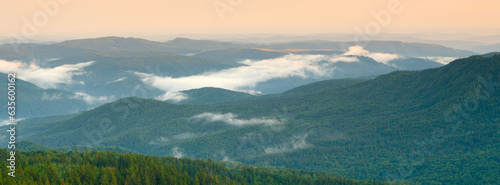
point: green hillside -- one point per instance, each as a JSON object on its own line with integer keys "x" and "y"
{"x": 101, "y": 168}
{"x": 237, "y": 55}
{"x": 411, "y": 126}
{"x": 414, "y": 63}
{"x": 324, "y": 85}
{"x": 116, "y": 59}
{"x": 33, "y": 101}
{"x": 210, "y": 95}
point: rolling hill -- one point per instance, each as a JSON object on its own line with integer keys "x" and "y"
{"x": 84, "y": 167}
{"x": 416, "y": 126}
{"x": 33, "y": 101}
{"x": 210, "y": 95}
{"x": 117, "y": 60}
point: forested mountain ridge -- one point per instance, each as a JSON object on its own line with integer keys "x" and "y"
{"x": 374, "y": 129}
{"x": 33, "y": 101}
{"x": 101, "y": 168}
{"x": 110, "y": 68}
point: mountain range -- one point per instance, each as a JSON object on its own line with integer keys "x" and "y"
{"x": 33, "y": 101}
{"x": 431, "y": 126}
{"x": 114, "y": 67}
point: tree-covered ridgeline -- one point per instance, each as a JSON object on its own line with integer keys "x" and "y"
{"x": 106, "y": 167}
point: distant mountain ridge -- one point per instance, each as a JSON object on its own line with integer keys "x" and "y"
{"x": 117, "y": 62}
{"x": 32, "y": 101}
{"x": 187, "y": 46}
{"x": 368, "y": 126}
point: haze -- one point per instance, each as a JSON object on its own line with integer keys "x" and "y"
{"x": 95, "y": 18}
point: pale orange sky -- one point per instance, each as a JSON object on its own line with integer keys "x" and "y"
{"x": 91, "y": 18}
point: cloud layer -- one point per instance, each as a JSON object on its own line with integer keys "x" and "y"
{"x": 379, "y": 57}
{"x": 247, "y": 77}
{"x": 44, "y": 77}
{"x": 232, "y": 119}
{"x": 442, "y": 60}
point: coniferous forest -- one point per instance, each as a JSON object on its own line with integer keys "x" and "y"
{"x": 106, "y": 167}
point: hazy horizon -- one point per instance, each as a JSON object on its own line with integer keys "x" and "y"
{"x": 72, "y": 19}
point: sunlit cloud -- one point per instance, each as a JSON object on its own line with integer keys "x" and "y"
{"x": 379, "y": 57}
{"x": 92, "y": 100}
{"x": 442, "y": 60}
{"x": 175, "y": 97}
{"x": 246, "y": 77}
{"x": 44, "y": 77}
{"x": 343, "y": 59}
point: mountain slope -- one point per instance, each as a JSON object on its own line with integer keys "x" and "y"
{"x": 120, "y": 64}
{"x": 486, "y": 48}
{"x": 83, "y": 167}
{"x": 365, "y": 130}
{"x": 414, "y": 64}
{"x": 115, "y": 44}
{"x": 324, "y": 85}
{"x": 32, "y": 101}
{"x": 209, "y": 95}
{"x": 394, "y": 47}
{"x": 112, "y": 72}
{"x": 190, "y": 46}
{"x": 238, "y": 55}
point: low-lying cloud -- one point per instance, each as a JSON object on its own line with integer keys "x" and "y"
{"x": 44, "y": 77}
{"x": 159, "y": 140}
{"x": 379, "y": 57}
{"x": 176, "y": 152}
{"x": 175, "y": 97}
{"x": 51, "y": 97}
{"x": 185, "y": 135}
{"x": 117, "y": 80}
{"x": 5, "y": 122}
{"x": 295, "y": 143}
{"x": 8, "y": 121}
{"x": 442, "y": 60}
{"x": 247, "y": 77}
{"x": 232, "y": 119}
{"x": 92, "y": 100}
{"x": 343, "y": 59}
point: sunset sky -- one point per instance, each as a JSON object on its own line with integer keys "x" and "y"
{"x": 93, "y": 18}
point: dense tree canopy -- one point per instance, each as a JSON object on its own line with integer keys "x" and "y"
{"x": 105, "y": 167}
